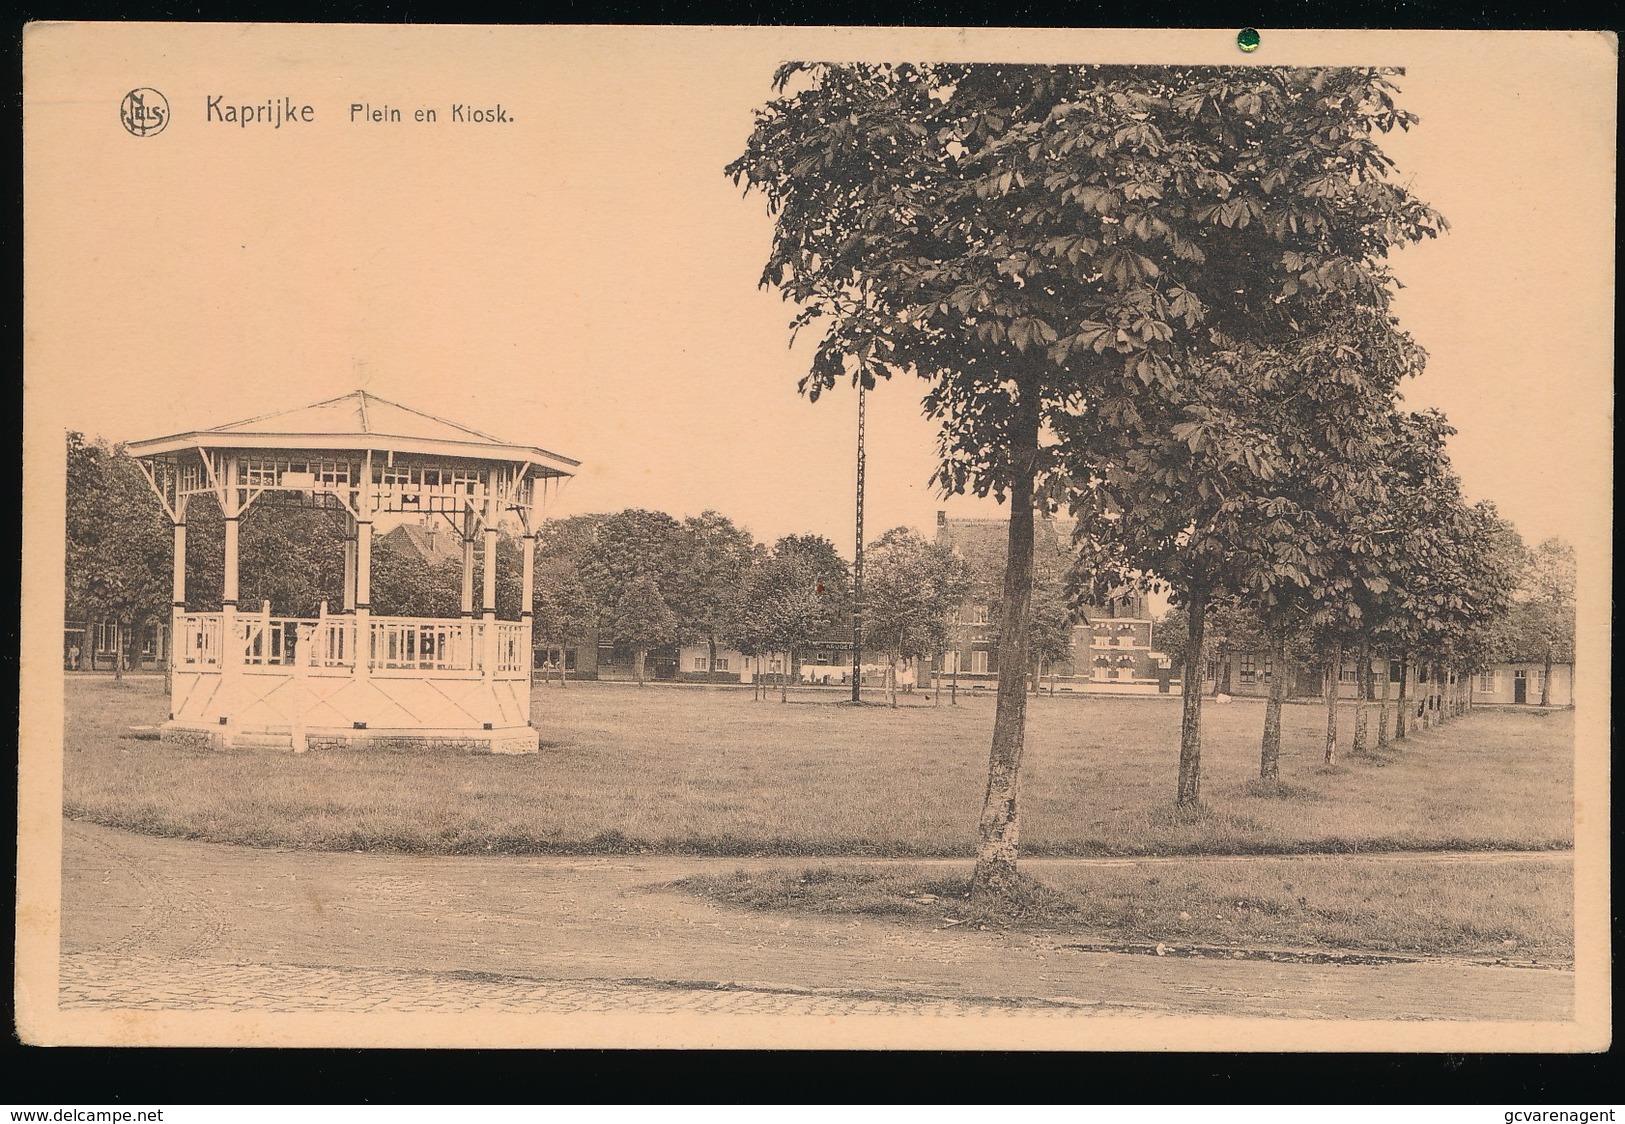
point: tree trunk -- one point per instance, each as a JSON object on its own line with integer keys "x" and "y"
{"x": 1362, "y": 691}
{"x": 1334, "y": 679}
{"x": 1189, "y": 792}
{"x": 784, "y": 680}
{"x": 637, "y": 663}
{"x": 1269, "y": 759}
{"x": 1546, "y": 681}
{"x": 1229, "y": 669}
{"x": 953, "y": 682}
{"x": 999, "y": 828}
{"x": 1428, "y": 669}
{"x": 118, "y": 649}
{"x": 1403, "y": 704}
{"x": 1382, "y": 710}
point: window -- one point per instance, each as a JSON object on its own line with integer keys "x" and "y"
{"x": 1249, "y": 668}
{"x": 1486, "y": 681}
{"x": 1393, "y": 671}
{"x": 978, "y": 663}
{"x": 1540, "y": 680}
{"x": 721, "y": 664}
{"x": 1212, "y": 670}
{"x": 978, "y": 615}
{"x": 701, "y": 664}
{"x": 1348, "y": 674}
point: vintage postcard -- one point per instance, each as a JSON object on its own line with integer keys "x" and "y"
{"x": 816, "y": 537}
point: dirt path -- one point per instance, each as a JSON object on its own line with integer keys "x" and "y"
{"x": 161, "y": 923}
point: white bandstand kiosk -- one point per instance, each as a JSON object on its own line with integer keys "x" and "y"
{"x": 247, "y": 677}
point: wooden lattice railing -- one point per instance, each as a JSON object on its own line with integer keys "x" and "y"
{"x": 419, "y": 645}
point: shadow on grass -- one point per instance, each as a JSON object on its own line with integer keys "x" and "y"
{"x": 1279, "y": 790}
{"x": 1379, "y": 757}
{"x": 890, "y": 892}
{"x": 1199, "y": 815}
{"x": 1218, "y": 912}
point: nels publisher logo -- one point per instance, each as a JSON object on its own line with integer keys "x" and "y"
{"x": 144, "y": 112}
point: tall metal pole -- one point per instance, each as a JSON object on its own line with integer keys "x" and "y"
{"x": 857, "y": 567}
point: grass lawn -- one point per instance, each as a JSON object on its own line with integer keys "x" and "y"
{"x": 713, "y": 772}
{"x": 1518, "y": 909}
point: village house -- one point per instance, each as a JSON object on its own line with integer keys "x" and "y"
{"x": 1520, "y": 684}
{"x": 145, "y": 648}
{"x": 1513, "y": 684}
{"x": 1112, "y": 646}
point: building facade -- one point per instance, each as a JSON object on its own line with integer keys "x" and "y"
{"x": 1112, "y": 647}
{"x": 1513, "y": 684}
{"x": 146, "y": 646}
{"x": 1520, "y": 684}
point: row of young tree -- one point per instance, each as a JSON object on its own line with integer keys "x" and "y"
{"x": 646, "y": 580}
{"x": 1160, "y": 298}
{"x": 1536, "y": 628}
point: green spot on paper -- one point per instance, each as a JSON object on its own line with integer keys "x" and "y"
{"x": 1248, "y": 39}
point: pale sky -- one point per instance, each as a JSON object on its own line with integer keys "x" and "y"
{"x": 584, "y": 277}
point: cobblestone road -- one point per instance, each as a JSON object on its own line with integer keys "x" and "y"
{"x": 91, "y": 981}
{"x": 160, "y": 924}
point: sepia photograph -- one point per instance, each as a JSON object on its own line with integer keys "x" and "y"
{"x": 816, "y": 538}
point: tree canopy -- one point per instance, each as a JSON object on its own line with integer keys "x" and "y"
{"x": 911, "y": 585}
{"x": 118, "y": 545}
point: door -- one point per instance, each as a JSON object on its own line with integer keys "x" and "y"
{"x": 1520, "y": 686}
